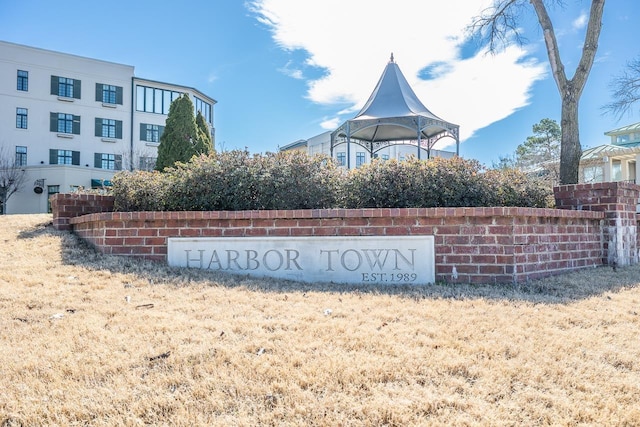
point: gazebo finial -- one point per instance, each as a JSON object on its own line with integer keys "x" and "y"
{"x": 391, "y": 60}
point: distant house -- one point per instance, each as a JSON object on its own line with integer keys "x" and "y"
{"x": 615, "y": 161}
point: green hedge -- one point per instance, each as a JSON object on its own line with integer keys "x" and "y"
{"x": 236, "y": 180}
{"x": 233, "y": 180}
{"x": 440, "y": 182}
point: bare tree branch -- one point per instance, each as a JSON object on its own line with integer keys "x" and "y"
{"x": 497, "y": 25}
{"x": 12, "y": 176}
{"x": 625, "y": 90}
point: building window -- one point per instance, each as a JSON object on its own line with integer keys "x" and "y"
{"x": 109, "y": 94}
{"x": 21, "y": 118}
{"x": 384, "y": 156}
{"x": 64, "y": 157}
{"x": 65, "y": 87}
{"x": 342, "y": 158}
{"x": 150, "y": 133}
{"x": 152, "y": 100}
{"x": 23, "y": 80}
{"x": 21, "y": 156}
{"x": 593, "y": 174}
{"x": 616, "y": 170}
{"x": 108, "y": 161}
{"x": 360, "y": 158}
{"x": 204, "y": 107}
{"x": 65, "y": 123}
{"x": 51, "y": 190}
{"x": 108, "y": 128}
{"x": 147, "y": 163}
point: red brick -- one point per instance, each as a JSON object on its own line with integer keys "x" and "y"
{"x": 153, "y": 241}
{"x": 325, "y": 231}
{"x": 190, "y": 232}
{"x": 279, "y": 232}
{"x": 302, "y": 231}
{"x": 134, "y": 241}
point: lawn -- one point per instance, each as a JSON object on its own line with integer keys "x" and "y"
{"x": 97, "y": 340}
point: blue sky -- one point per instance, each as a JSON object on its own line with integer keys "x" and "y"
{"x": 282, "y": 70}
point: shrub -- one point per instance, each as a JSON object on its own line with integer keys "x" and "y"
{"x": 439, "y": 182}
{"x": 236, "y": 180}
{"x": 140, "y": 191}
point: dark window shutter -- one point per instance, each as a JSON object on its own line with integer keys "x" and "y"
{"x": 118, "y": 95}
{"x": 98, "y": 91}
{"x": 118, "y": 162}
{"x": 143, "y": 132}
{"x": 119, "y": 129}
{"x": 53, "y": 122}
{"x": 160, "y": 132}
{"x": 54, "y": 85}
{"x": 75, "y": 158}
{"x": 76, "y": 89}
{"x": 76, "y": 125}
{"x": 53, "y": 157}
{"x": 97, "y": 160}
{"x": 98, "y": 127}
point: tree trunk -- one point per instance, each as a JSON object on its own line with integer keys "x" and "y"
{"x": 570, "y": 89}
{"x": 3, "y": 201}
{"x": 570, "y": 149}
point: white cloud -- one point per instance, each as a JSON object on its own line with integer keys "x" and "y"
{"x": 352, "y": 41}
{"x": 291, "y": 72}
{"x": 580, "y": 22}
{"x": 330, "y": 123}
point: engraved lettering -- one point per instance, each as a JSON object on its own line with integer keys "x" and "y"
{"x": 215, "y": 260}
{"x": 409, "y": 263}
{"x": 292, "y": 259}
{"x": 252, "y": 260}
{"x": 376, "y": 261}
{"x": 329, "y": 252}
{"x": 343, "y": 260}
{"x": 232, "y": 257}
{"x": 280, "y": 260}
{"x": 199, "y": 260}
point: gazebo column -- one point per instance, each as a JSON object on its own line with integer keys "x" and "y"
{"x": 348, "y": 146}
{"x": 420, "y": 140}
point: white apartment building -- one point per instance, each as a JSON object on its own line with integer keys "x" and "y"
{"x": 321, "y": 144}
{"x": 74, "y": 122}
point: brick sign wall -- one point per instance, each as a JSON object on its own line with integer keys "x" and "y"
{"x": 472, "y": 245}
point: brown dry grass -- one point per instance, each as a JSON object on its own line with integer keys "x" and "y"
{"x": 216, "y": 350}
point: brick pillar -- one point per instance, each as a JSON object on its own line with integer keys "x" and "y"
{"x": 620, "y": 227}
{"x": 67, "y": 206}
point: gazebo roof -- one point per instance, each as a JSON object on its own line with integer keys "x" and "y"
{"x": 394, "y": 113}
{"x": 393, "y": 97}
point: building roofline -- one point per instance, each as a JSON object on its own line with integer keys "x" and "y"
{"x": 71, "y": 55}
{"x": 176, "y": 85}
{"x": 24, "y": 46}
{"x": 298, "y": 143}
{"x": 624, "y": 129}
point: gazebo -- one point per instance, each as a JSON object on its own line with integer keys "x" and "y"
{"x": 393, "y": 115}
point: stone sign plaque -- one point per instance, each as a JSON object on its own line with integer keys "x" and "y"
{"x": 339, "y": 259}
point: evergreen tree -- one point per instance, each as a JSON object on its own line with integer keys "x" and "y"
{"x": 204, "y": 144}
{"x": 177, "y": 143}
